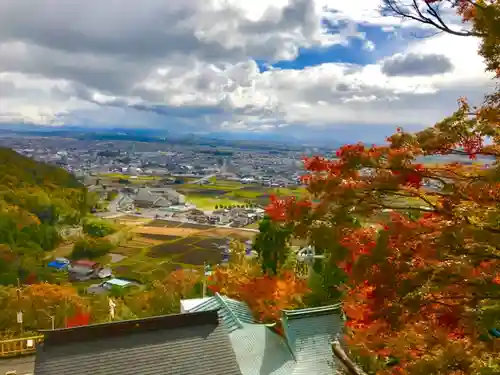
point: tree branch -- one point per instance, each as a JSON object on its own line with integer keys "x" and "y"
{"x": 435, "y": 19}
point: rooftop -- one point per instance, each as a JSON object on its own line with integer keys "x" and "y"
{"x": 305, "y": 349}
{"x": 192, "y": 343}
{"x": 118, "y": 282}
{"x": 232, "y": 313}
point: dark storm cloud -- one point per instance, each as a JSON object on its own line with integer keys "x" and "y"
{"x": 413, "y": 64}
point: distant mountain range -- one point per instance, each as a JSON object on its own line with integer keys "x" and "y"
{"x": 245, "y": 140}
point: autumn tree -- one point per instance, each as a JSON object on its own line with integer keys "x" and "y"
{"x": 38, "y": 303}
{"x": 418, "y": 243}
{"x": 163, "y": 296}
{"x": 265, "y": 294}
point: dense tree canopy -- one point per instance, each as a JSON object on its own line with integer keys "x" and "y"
{"x": 36, "y": 201}
{"x": 418, "y": 242}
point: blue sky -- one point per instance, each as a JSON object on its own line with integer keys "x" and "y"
{"x": 354, "y": 52}
{"x": 192, "y": 66}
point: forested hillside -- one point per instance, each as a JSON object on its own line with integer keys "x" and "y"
{"x": 36, "y": 200}
{"x": 20, "y": 171}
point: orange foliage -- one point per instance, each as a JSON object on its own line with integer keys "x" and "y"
{"x": 423, "y": 282}
{"x": 266, "y": 295}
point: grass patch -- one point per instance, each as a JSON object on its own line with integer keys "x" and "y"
{"x": 62, "y": 251}
{"x": 253, "y": 226}
{"x": 131, "y": 178}
{"x": 209, "y": 203}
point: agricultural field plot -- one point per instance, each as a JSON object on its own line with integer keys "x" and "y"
{"x": 130, "y": 220}
{"x": 180, "y": 232}
{"x": 210, "y": 242}
{"x": 198, "y": 257}
{"x": 175, "y": 248}
{"x": 228, "y": 193}
{"x": 209, "y": 203}
{"x": 156, "y": 251}
{"x": 204, "y": 192}
{"x": 194, "y": 226}
{"x": 164, "y": 223}
{"x": 160, "y": 223}
{"x": 159, "y": 237}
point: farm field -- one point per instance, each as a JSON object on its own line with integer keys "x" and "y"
{"x": 158, "y": 247}
{"x": 228, "y": 193}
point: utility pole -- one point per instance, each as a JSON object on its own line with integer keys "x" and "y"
{"x": 206, "y": 272}
{"x": 204, "y": 292}
{"x": 65, "y": 312}
{"x": 20, "y": 312}
{"x": 52, "y": 318}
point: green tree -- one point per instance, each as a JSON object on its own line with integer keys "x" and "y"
{"x": 98, "y": 227}
{"x": 112, "y": 195}
{"x": 272, "y": 245}
{"x": 91, "y": 248}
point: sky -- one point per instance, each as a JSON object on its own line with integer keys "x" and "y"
{"x": 309, "y": 69}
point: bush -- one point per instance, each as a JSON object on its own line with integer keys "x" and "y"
{"x": 98, "y": 228}
{"x": 91, "y": 248}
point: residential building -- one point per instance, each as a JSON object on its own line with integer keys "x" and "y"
{"x": 82, "y": 270}
{"x": 164, "y": 197}
{"x": 182, "y": 344}
{"x": 304, "y": 349}
{"x": 170, "y": 194}
{"x": 125, "y": 203}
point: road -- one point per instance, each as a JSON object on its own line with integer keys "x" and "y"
{"x": 113, "y": 205}
{"x": 22, "y": 365}
{"x": 205, "y": 178}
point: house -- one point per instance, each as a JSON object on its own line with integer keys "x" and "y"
{"x": 125, "y": 203}
{"x": 82, "y": 270}
{"x": 305, "y": 347}
{"x": 171, "y": 195}
{"x": 147, "y": 198}
{"x": 144, "y": 198}
{"x": 108, "y": 285}
{"x": 191, "y": 343}
{"x": 240, "y": 221}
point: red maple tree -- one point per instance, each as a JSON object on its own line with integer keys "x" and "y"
{"x": 418, "y": 242}
{"x": 80, "y": 318}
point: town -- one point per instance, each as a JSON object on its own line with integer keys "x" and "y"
{"x": 200, "y": 184}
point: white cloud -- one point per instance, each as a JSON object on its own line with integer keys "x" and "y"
{"x": 190, "y": 64}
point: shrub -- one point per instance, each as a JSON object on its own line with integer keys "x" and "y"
{"x": 91, "y": 248}
{"x": 98, "y": 228}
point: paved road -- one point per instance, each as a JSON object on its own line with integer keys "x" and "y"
{"x": 113, "y": 205}
{"x": 22, "y": 365}
{"x": 205, "y": 178}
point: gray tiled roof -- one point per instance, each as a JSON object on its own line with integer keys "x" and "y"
{"x": 309, "y": 333}
{"x": 183, "y": 344}
{"x": 261, "y": 351}
{"x": 232, "y": 313}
